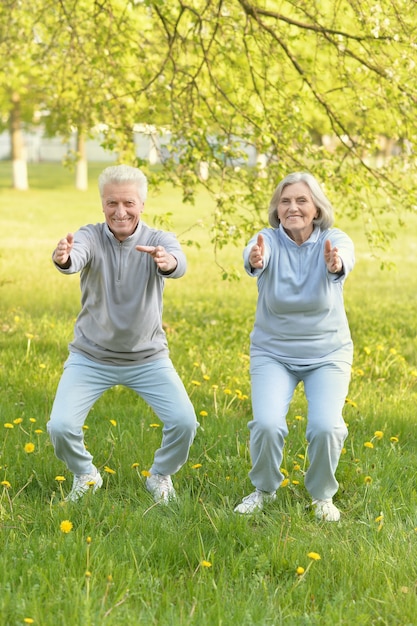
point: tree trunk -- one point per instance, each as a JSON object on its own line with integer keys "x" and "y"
{"x": 20, "y": 173}
{"x": 81, "y": 166}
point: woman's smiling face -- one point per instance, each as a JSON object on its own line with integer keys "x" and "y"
{"x": 296, "y": 211}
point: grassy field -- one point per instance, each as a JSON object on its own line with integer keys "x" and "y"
{"x": 125, "y": 561}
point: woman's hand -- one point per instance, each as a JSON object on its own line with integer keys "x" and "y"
{"x": 332, "y": 259}
{"x": 257, "y": 253}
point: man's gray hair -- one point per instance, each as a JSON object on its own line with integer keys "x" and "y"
{"x": 117, "y": 174}
{"x": 322, "y": 203}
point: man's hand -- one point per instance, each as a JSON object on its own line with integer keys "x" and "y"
{"x": 62, "y": 252}
{"x": 332, "y": 259}
{"x": 257, "y": 253}
{"x": 165, "y": 261}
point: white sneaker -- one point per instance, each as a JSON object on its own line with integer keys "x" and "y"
{"x": 161, "y": 488}
{"x": 325, "y": 510}
{"x": 82, "y": 483}
{"x": 254, "y": 502}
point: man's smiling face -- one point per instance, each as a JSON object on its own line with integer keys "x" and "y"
{"x": 122, "y": 208}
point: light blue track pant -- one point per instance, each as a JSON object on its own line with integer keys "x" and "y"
{"x": 273, "y": 385}
{"x": 84, "y": 381}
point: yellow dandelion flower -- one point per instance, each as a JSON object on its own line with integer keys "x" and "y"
{"x": 145, "y": 473}
{"x": 214, "y": 387}
{"x": 206, "y": 377}
{"x": 154, "y": 425}
{"x": 88, "y": 540}
{"x": 113, "y": 422}
{"x": 359, "y": 372}
{"x": 38, "y": 431}
{"x": 16, "y": 319}
{"x": 296, "y": 467}
{"x": 196, "y": 466}
{"x": 314, "y": 555}
{"x": 300, "y": 571}
{"x": 379, "y": 518}
{"x": 85, "y": 427}
{"x": 29, "y": 448}
{"x": 368, "y": 444}
{"x": 205, "y": 564}
{"x": 378, "y": 434}
{"x": 228, "y": 392}
{"x": 380, "y": 347}
{"x": 343, "y": 451}
{"x": 284, "y": 471}
{"x": 367, "y": 350}
{"x": 109, "y": 470}
{"x": 32, "y": 419}
{"x": 351, "y": 402}
{"x": 60, "y": 479}
{"x": 66, "y": 526}
{"x": 88, "y": 574}
{"x": 42, "y": 366}
{"x": 195, "y": 364}
{"x": 197, "y": 383}
{"x": 295, "y": 482}
{"x": 29, "y": 335}
{"x": 18, "y": 420}
{"x": 367, "y": 480}
{"x": 28, "y": 620}
{"x": 394, "y": 439}
{"x": 8, "y": 425}
{"x": 134, "y": 465}
{"x": 301, "y": 456}
{"x": 392, "y": 351}
{"x": 299, "y": 418}
{"x": 285, "y": 482}
{"x": 5, "y": 484}
{"x": 203, "y": 413}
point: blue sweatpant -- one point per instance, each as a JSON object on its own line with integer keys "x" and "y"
{"x": 84, "y": 381}
{"x": 273, "y": 385}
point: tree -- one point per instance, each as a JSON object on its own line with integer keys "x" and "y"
{"x": 278, "y": 77}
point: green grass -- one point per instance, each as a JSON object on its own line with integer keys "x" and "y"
{"x": 148, "y": 564}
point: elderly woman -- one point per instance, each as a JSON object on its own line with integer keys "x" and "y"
{"x": 301, "y": 333}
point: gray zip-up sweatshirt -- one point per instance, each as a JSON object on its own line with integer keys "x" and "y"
{"x": 300, "y": 315}
{"x": 120, "y": 321}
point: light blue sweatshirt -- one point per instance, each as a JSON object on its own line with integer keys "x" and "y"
{"x": 300, "y": 315}
{"x": 120, "y": 321}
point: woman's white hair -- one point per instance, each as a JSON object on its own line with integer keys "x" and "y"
{"x": 322, "y": 203}
{"x": 117, "y": 174}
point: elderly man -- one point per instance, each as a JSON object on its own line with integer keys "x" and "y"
{"x": 118, "y": 335}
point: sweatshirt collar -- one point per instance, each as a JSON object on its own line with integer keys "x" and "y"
{"x": 311, "y": 240}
